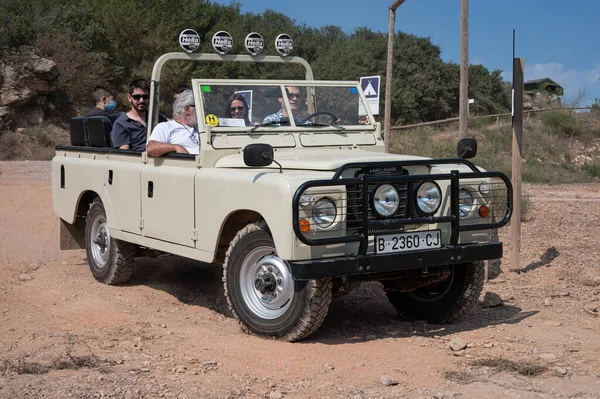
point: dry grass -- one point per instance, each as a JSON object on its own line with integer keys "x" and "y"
{"x": 34, "y": 143}
{"x": 67, "y": 362}
{"x": 461, "y": 377}
{"x": 551, "y": 145}
{"x": 523, "y": 367}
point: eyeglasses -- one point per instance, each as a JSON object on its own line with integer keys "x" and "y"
{"x": 294, "y": 95}
{"x": 192, "y": 105}
{"x": 137, "y": 97}
{"x": 233, "y": 109}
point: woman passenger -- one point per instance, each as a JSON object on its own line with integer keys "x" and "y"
{"x": 237, "y": 108}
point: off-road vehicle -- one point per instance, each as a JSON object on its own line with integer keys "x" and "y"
{"x": 296, "y": 212}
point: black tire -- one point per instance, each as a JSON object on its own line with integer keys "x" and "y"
{"x": 110, "y": 260}
{"x": 278, "y": 311}
{"x": 443, "y": 302}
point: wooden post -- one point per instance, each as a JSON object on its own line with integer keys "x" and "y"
{"x": 387, "y": 118}
{"x": 517, "y": 157}
{"x": 463, "y": 106}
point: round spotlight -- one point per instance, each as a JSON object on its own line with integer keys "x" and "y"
{"x": 429, "y": 197}
{"x": 386, "y": 200}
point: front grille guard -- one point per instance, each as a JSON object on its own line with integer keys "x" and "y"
{"x": 363, "y": 182}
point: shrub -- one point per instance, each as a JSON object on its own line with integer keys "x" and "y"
{"x": 526, "y": 205}
{"x": 80, "y": 70}
{"x": 592, "y": 168}
{"x": 562, "y": 122}
{"x": 35, "y": 143}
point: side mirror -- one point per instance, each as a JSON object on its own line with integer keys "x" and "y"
{"x": 467, "y": 148}
{"x": 258, "y": 155}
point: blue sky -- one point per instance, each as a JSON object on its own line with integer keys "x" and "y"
{"x": 556, "y": 38}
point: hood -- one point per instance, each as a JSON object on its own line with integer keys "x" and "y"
{"x": 313, "y": 159}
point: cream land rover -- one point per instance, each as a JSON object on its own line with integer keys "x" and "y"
{"x": 295, "y": 211}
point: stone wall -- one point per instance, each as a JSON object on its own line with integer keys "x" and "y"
{"x": 26, "y": 80}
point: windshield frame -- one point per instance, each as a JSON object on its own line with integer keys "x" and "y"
{"x": 309, "y": 86}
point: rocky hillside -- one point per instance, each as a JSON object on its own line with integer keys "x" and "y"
{"x": 26, "y": 83}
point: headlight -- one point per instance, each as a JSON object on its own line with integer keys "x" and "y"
{"x": 386, "y": 200}
{"x": 465, "y": 202}
{"x": 429, "y": 197}
{"x": 485, "y": 188}
{"x": 323, "y": 213}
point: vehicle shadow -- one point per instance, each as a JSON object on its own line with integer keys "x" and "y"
{"x": 363, "y": 315}
{"x": 191, "y": 282}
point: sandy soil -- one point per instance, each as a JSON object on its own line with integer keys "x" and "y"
{"x": 168, "y": 334}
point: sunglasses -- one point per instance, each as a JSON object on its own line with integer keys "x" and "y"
{"x": 294, "y": 95}
{"x": 137, "y": 97}
{"x": 233, "y": 109}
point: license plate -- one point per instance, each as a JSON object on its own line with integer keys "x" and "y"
{"x": 404, "y": 242}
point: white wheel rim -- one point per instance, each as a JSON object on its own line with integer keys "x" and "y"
{"x": 261, "y": 262}
{"x": 100, "y": 242}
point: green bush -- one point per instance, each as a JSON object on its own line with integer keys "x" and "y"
{"x": 561, "y": 121}
{"x": 592, "y": 168}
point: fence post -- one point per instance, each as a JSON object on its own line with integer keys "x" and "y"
{"x": 517, "y": 157}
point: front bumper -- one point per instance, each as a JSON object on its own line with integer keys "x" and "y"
{"x": 365, "y": 265}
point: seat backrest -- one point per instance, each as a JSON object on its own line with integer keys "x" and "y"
{"x": 113, "y": 117}
{"x": 99, "y": 128}
{"x": 78, "y": 131}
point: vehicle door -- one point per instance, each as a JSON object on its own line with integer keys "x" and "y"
{"x": 168, "y": 199}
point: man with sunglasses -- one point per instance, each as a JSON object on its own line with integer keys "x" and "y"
{"x": 129, "y": 130}
{"x": 295, "y": 99}
{"x": 180, "y": 134}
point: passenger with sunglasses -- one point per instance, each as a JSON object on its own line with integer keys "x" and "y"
{"x": 295, "y": 99}
{"x": 179, "y": 135}
{"x": 129, "y": 130}
{"x": 237, "y": 108}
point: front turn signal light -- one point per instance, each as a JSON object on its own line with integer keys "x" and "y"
{"x": 484, "y": 211}
{"x": 304, "y": 225}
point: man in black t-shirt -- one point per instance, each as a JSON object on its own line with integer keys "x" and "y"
{"x": 105, "y": 102}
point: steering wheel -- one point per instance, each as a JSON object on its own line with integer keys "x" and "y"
{"x": 331, "y": 122}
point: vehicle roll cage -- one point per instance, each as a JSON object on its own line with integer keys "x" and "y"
{"x": 162, "y": 60}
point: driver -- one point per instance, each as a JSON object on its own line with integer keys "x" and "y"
{"x": 295, "y": 99}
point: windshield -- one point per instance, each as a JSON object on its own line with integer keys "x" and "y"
{"x": 251, "y": 106}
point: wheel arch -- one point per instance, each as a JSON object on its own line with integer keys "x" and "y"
{"x": 85, "y": 200}
{"x": 233, "y": 223}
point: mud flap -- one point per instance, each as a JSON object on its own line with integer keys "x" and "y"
{"x": 72, "y": 236}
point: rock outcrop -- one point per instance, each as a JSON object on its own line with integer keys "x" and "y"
{"x": 26, "y": 80}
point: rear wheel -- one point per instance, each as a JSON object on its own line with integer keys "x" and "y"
{"x": 110, "y": 260}
{"x": 445, "y": 301}
{"x": 260, "y": 290}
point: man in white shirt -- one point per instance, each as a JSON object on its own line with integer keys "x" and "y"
{"x": 179, "y": 135}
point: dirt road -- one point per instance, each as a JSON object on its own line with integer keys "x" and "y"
{"x": 167, "y": 333}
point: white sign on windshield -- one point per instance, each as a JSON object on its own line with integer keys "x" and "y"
{"x": 231, "y": 122}
{"x": 370, "y": 86}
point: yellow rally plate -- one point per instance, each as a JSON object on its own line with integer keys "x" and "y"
{"x": 212, "y": 120}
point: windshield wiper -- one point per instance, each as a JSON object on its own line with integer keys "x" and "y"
{"x": 338, "y": 127}
{"x": 271, "y": 123}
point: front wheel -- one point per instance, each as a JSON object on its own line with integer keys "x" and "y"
{"x": 445, "y": 301}
{"x": 260, "y": 290}
{"x": 110, "y": 260}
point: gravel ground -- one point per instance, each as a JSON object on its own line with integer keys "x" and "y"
{"x": 167, "y": 333}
